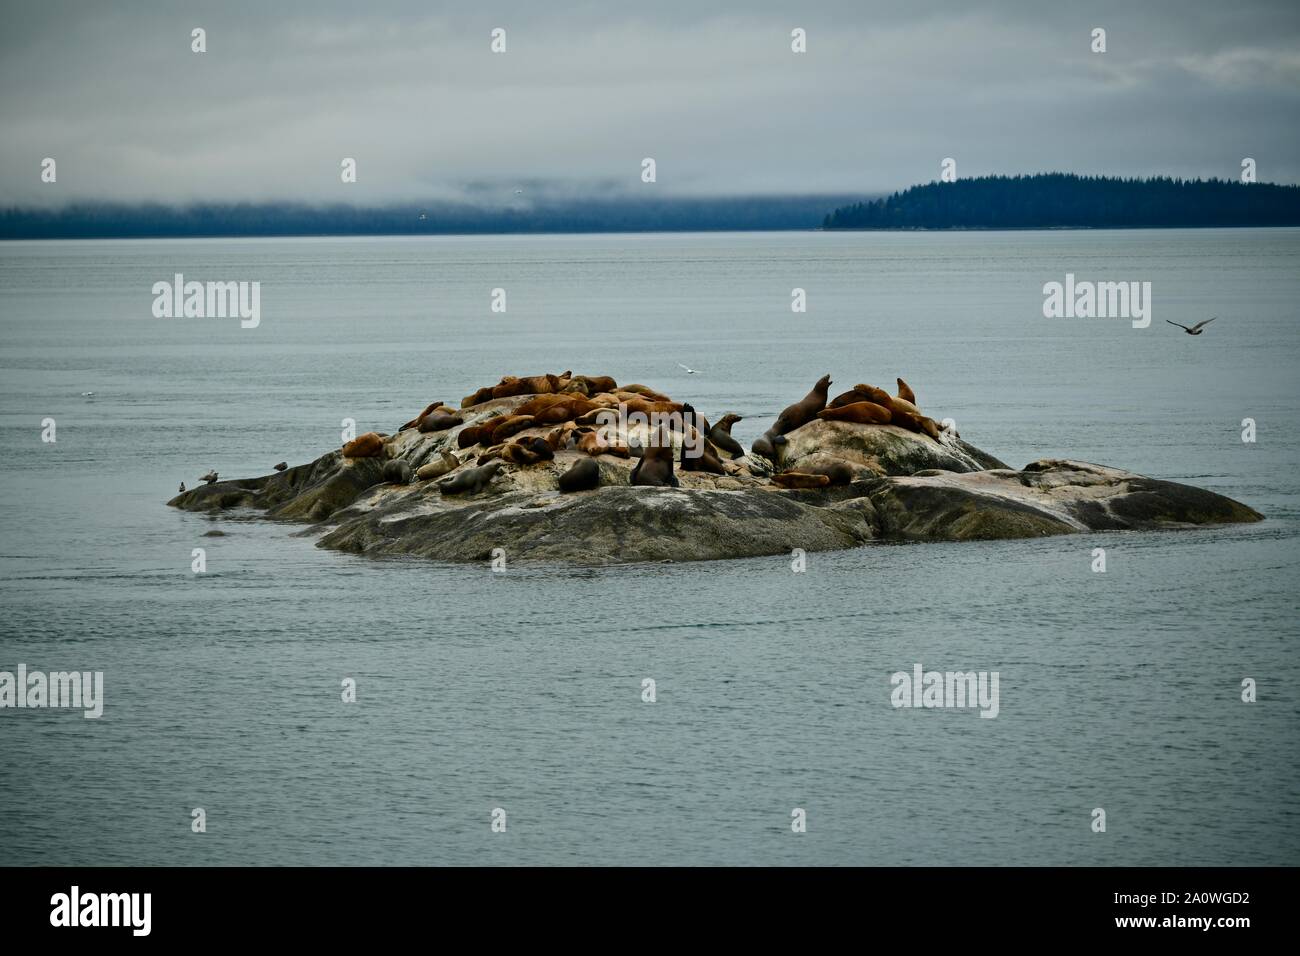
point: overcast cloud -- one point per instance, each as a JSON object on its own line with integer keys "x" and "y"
{"x": 411, "y": 90}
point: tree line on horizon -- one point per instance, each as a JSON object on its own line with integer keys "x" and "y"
{"x": 117, "y": 220}
{"x": 1046, "y": 200}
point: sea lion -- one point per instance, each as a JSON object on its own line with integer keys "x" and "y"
{"x": 281, "y": 466}
{"x": 860, "y": 393}
{"x": 539, "y": 402}
{"x": 439, "y": 420}
{"x": 703, "y": 458}
{"x": 593, "y": 442}
{"x": 562, "y": 411}
{"x": 800, "y": 479}
{"x": 593, "y": 383}
{"x": 510, "y": 426}
{"x": 398, "y": 472}
{"x": 839, "y": 472}
{"x": 210, "y": 477}
{"x": 484, "y": 394}
{"x": 764, "y": 446}
{"x": 583, "y": 476}
{"x": 649, "y": 408}
{"x": 531, "y": 385}
{"x": 864, "y": 413}
{"x": 720, "y": 435}
{"x": 930, "y": 427}
{"x": 802, "y": 411}
{"x": 472, "y": 480}
{"x": 655, "y": 467}
{"x": 905, "y": 392}
{"x": 436, "y": 469}
{"x": 480, "y": 433}
{"x": 646, "y": 392}
{"x": 561, "y": 437}
{"x": 904, "y": 413}
{"x": 369, "y": 445}
{"x": 527, "y": 451}
{"x": 416, "y": 420}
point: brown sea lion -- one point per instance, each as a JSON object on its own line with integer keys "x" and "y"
{"x": 531, "y": 385}
{"x": 646, "y": 392}
{"x": 439, "y": 420}
{"x": 702, "y": 459}
{"x": 282, "y": 466}
{"x": 416, "y": 420}
{"x": 561, "y": 437}
{"x": 905, "y": 392}
{"x": 484, "y": 394}
{"x": 369, "y": 445}
{"x": 720, "y": 435}
{"x": 864, "y": 413}
{"x": 512, "y": 425}
{"x": 436, "y": 469}
{"x": 564, "y": 411}
{"x": 527, "y": 451}
{"x": 479, "y": 434}
{"x": 471, "y": 481}
{"x": 655, "y": 466}
{"x": 648, "y": 408}
{"x": 804, "y": 410}
{"x": 800, "y": 479}
{"x": 596, "y": 383}
{"x": 839, "y": 472}
{"x": 593, "y": 442}
{"x": 859, "y": 393}
{"x": 583, "y": 476}
{"x": 930, "y": 427}
{"x": 540, "y": 402}
{"x": 904, "y": 413}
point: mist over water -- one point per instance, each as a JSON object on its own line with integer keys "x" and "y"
{"x": 523, "y": 690}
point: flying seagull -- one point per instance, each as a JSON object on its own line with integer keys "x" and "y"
{"x": 689, "y": 371}
{"x": 1195, "y": 329}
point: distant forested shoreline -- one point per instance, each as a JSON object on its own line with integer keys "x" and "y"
{"x": 1064, "y": 200}
{"x": 1041, "y": 201}
{"x": 103, "y": 220}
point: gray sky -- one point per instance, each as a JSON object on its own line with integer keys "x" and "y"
{"x": 411, "y": 90}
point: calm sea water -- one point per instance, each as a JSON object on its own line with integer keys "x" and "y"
{"x": 523, "y": 690}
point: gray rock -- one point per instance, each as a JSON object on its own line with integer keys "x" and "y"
{"x": 907, "y": 487}
{"x": 883, "y": 449}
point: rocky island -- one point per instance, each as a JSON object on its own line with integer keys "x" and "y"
{"x": 576, "y": 469}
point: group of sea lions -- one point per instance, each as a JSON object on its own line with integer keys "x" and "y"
{"x": 564, "y": 411}
{"x": 862, "y": 405}
{"x": 561, "y": 412}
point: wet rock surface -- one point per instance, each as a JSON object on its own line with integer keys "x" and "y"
{"x": 907, "y": 486}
